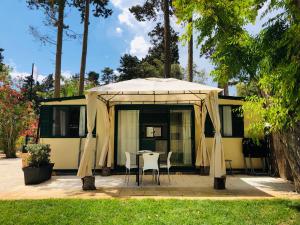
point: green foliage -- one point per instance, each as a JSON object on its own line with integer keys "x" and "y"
{"x": 70, "y": 86}
{"x": 99, "y": 8}
{"x": 16, "y": 116}
{"x": 266, "y": 65}
{"x": 39, "y": 154}
{"x": 93, "y": 78}
{"x": 108, "y": 75}
{"x": 129, "y": 67}
{"x": 156, "y": 51}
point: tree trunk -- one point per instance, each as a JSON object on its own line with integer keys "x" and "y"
{"x": 84, "y": 46}
{"x": 59, "y": 41}
{"x": 167, "y": 65}
{"x": 190, "y": 56}
{"x": 225, "y": 91}
{"x": 279, "y": 163}
{"x": 291, "y": 151}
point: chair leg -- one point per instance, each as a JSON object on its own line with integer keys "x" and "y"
{"x": 158, "y": 181}
{"x": 169, "y": 176}
{"x": 125, "y": 175}
{"x": 142, "y": 177}
{"x": 128, "y": 176}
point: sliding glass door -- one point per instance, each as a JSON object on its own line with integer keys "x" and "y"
{"x": 181, "y": 137}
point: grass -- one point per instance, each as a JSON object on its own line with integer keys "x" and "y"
{"x": 76, "y": 211}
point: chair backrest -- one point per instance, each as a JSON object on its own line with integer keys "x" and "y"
{"x": 127, "y": 163}
{"x": 169, "y": 160}
{"x": 150, "y": 161}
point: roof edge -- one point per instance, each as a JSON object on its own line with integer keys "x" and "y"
{"x": 231, "y": 97}
{"x": 82, "y": 97}
{"x": 63, "y": 98}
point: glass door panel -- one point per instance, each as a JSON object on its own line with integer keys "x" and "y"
{"x": 181, "y": 137}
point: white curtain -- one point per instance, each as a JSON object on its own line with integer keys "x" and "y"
{"x": 186, "y": 136}
{"x": 82, "y": 121}
{"x": 227, "y": 121}
{"x": 202, "y": 155}
{"x": 85, "y": 167}
{"x": 217, "y": 163}
{"x": 128, "y": 133}
{"x": 103, "y": 133}
{"x": 63, "y": 123}
{"x": 110, "y": 157}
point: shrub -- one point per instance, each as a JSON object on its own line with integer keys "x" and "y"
{"x": 39, "y": 154}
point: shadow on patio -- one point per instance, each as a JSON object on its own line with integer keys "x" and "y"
{"x": 181, "y": 186}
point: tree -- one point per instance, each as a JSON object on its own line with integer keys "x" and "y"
{"x": 149, "y": 11}
{"x": 129, "y": 67}
{"x": 16, "y": 113}
{"x": 1, "y": 60}
{"x": 99, "y": 10}
{"x": 269, "y": 60}
{"x": 54, "y": 11}
{"x": 199, "y": 76}
{"x": 107, "y": 75}
{"x": 190, "y": 53}
{"x": 157, "y": 50}
{"x": 93, "y": 78}
{"x": 70, "y": 86}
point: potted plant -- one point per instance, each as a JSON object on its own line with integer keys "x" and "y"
{"x": 39, "y": 168}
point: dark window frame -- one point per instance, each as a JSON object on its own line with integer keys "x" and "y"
{"x": 208, "y": 124}
{"x": 60, "y": 136}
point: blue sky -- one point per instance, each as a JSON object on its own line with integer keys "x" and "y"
{"x": 108, "y": 39}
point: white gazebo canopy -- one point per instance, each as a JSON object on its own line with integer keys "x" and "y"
{"x": 153, "y": 90}
{"x": 101, "y": 101}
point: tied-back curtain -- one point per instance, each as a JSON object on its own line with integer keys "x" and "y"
{"x": 217, "y": 163}
{"x": 204, "y": 150}
{"x": 110, "y": 157}
{"x": 128, "y": 133}
{"x": 202, "y": 155}
{"x": 104, "y": 132}
{"x": 85, "y": 167}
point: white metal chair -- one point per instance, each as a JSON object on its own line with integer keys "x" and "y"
{"x": 128, "y": 166}
{"x": 150, "y": 163}
{"x": 168, "y": 165}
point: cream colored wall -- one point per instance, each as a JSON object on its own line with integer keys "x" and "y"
{"x": 64, "y": 151}
{"x": 233, "y": 151}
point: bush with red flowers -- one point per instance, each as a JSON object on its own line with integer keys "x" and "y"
{"x": 16, "y": 117}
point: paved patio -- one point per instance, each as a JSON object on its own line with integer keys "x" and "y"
{"x": 181, "y": 186}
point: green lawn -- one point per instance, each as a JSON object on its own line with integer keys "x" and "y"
{"x": 75, "y": 211}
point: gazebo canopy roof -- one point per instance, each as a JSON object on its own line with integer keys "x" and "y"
{"x": 153, "y": 90}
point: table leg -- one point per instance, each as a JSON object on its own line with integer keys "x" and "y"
{"x": 158, "y": 179}
{"x": 137, "y": 176}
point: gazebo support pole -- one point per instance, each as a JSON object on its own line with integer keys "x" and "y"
{"x": 220, "y": 183}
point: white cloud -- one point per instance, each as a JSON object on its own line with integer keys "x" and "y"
{"x": 17, "y": 75}
{"x": 139, "y": 46}
{"x": 126, "y": 18}
{"x": 119, "y": 30}
{"x": 66, "y": 73}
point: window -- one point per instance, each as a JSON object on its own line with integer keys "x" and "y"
{"x": 232, "y": 123}
{"x": 63, "y": 121}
